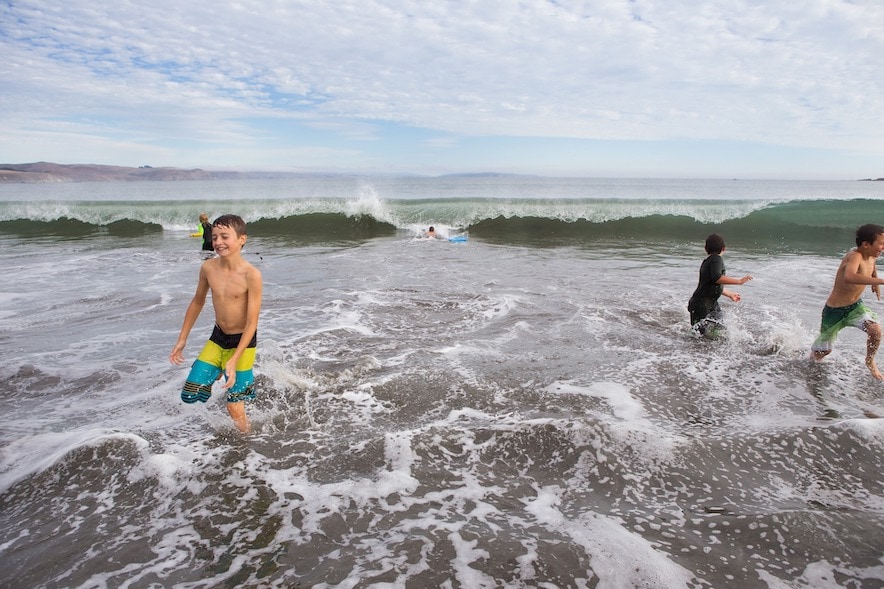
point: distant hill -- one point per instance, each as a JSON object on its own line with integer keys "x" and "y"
{"x": 482, "y": 175}
{"x": 49, "y": 172}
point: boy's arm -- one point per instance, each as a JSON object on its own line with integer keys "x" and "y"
{"x": 253, "y": 309}
{"x": 724, "y": 279}
{"x": 732, "y": 295}
{"x": 190, "y": 317}
{"x": 876, "y": 288}
{"x": 853, "y": 274}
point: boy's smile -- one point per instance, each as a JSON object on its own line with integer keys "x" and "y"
{"x": 225, "y": 240}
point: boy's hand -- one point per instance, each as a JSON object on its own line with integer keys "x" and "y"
{"x": 745, "y": 279}
{"x": 876, "y": 288}
{"x": 230, "y": 369}
{"x": 177, "y": 355}
{"x": 230, "y": 373}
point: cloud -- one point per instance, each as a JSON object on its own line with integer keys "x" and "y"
{"x": 201, "y": 74}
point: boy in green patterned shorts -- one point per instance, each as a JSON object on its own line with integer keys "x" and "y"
{"x": 844, "y": 307}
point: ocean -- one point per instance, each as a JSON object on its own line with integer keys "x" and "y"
{"x": 526, "y": 408}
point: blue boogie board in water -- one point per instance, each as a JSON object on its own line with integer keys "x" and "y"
{"x": 457, "y": 238}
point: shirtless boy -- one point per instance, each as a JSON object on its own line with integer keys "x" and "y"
{"x": 844, "y": 307}
{"x": 236, "y": 296}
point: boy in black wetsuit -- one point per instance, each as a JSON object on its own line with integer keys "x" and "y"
{"x": 703, "y": 306}
{"x": 205, "y": 231}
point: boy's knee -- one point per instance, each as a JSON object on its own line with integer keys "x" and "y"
{"x": 873, "y": 329}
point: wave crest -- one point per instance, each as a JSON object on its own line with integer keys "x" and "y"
{"x": 782, "y": 226}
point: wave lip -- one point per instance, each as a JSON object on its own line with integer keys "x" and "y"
{"x": 798, "y": 224}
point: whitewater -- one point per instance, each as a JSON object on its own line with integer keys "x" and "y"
{"x": 527, "y": 408}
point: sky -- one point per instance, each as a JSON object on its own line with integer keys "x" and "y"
{"x": 790, "y": 89}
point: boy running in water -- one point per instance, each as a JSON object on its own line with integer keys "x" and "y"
{"x": 236, "y": 296}
{"x": 704, "y": 308}
{"x": 844, "y": 307}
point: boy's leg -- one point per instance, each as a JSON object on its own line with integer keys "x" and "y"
{"x": 874, "y": 340}
{"x": 829, "y": 328}
{"x": 205, "y": 370}
{"x": 237, "y": 412}
{"x": 705, "y": 316}
{"x": 242, "y": 390}
{"x": 198, "y": 386}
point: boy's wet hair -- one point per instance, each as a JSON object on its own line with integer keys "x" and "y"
{"x": 868, "y": 232}
{"x": 714, "y": 244}
{"x": 234, "y": 222}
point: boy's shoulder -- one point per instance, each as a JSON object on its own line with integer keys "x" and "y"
{"x": 250, "y": 268}
{"x": 239, "y": 264}
{"x": 854, "y": 254}
{"x": 856, "y": 258}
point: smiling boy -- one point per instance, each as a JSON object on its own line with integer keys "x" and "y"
{"x": 236, "y": 288}
{"x": 844, "y": 307}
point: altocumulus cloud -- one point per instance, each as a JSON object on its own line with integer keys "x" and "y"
{"x": 385, "y": 84}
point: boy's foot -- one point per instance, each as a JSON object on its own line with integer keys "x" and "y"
{"x": 817, "y": 356}
{"x": 870, "y": 362}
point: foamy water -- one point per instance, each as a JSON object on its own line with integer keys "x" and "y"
{"x": 435, "y": 414}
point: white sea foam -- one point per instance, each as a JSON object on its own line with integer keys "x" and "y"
{"x": 489, "y": 415}
{"x": 623, "y": 405}
{"x": 34, "y": 453}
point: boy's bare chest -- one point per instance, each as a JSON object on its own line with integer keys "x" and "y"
{"x": 228, "y": 286}
{"x": 866, "y": 267}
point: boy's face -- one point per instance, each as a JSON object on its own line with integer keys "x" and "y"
{"x": 874, "y": 248}
{"x": 225, "y": 241}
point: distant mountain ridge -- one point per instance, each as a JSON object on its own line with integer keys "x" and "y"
{"x": 49, "y": 172}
